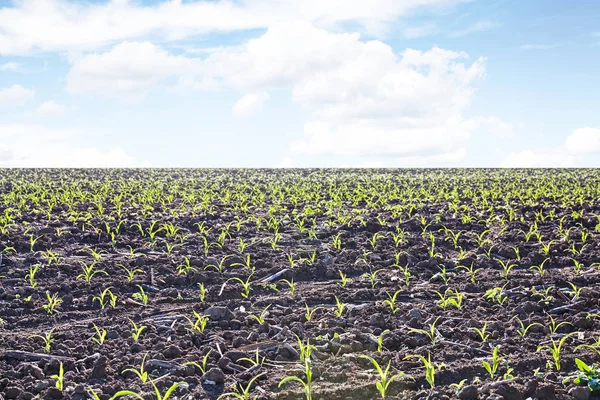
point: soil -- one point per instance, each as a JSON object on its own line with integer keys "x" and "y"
{"x": 73, "y": 212}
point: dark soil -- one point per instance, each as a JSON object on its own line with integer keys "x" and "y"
{"x": 74, "y": 212}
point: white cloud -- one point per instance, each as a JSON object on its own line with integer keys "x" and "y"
{"x": 571, "y": 153}
{"x": 250, "y": 103}
{"x": 130, "y": 69}
{"x": 583, "y": 140}
{"x": 540, "y": 46}
{"x": 286, "y": 162}
{"x": 65, "y": 25}
{"x": 479, "y": 26}
{"x": 28, "y": 145}
{"x": 15, "y": 96}
{"x": 362, "y": 98}
{"x": 51, "y": 108}
{"x": 539, "y": 158}
{"x": 10, "y": 66}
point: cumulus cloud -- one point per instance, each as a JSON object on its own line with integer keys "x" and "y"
{"x": 539, "y": 158}
{"x": 15, "y": 96}
{"x": 362, "y": 98}
{"x": 129, "y": 69}
{"x": 28, "y": 145}
{"x": 584, "y": 140}
{"x": 69, "y": 25}
{"x": 250, "y": 103}
{"x": 10, "y": 66}
{"x": 577, "y": 144}
{"x": 50, "y": 108}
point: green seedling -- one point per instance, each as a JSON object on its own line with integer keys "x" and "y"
{"x": 492, "y": 367}
{"x": 555, "y": 348}
{"x": 60, "y": 377}
{"x": 137, "y": 330}
{"x": 100, "y": 335}
{"x": 261, "y": 317}
{"x": 202, "y": 365}
{"x": 47, "y": 339}
{"x": 141, "y": 373}
{"x": 243, "y": 393}
{"x": 384, "y": 376}
{"x": 429, "y": 367}
{"x": 432, "y": 333}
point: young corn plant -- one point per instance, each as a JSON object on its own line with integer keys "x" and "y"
{"x": 540, "y": 268}
{"x": 203, "y": 291}
{"x": 385, "y": 379}
{"x": 141, "y": 373}
{"x": 260, "y": 318}
{"x": 372, "y": 276}
{"x": 310, "y": 313}
{"x": 140, "y": 295}
{"x": 339, "y": 308}
{"x": 429, "y": 367}
{"x": 496, "y": 295}
{"x": 100, "y": 335}
{"x": 202, "y": 364}
{"x": 506, "y": 268}
{"x": 60, "y": 377}
{"x": 241, "y": 393}
{"x": 523, "y": 329}
{"x": 373, "y": 240}
{"x": 257, "y": 360}
{"x": 483, "y": 335}
{"x": 594, "y": 346}
{"x": 246, "y": 285}
{"x": 198, "y": 323}
{"x": 450, "y": 298}
{"x": 306, "y": 383}
{"x": 343, "y": 279}
{"x": 52, "y": 302}
{"x": 130, "y": 272}
{"x": 432, "y": 333}
{"x": 137, "y": 330}
{"x": 492, "y": 367}
{"x": 89, "y": 272}
{"x": 105, "y": 297}
{"x": 391, "y": 301}
{"x": 555, "y": 348}
{"x": 291, "y": 286}
{"x": 30, "y": 276}
{"x": 46, "y": 339}
{"x": 553, "y": 325}
{"x": 472, "y": 271}
{"x": 220, "y": 266}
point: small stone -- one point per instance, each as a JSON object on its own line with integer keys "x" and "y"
{"x": 217, "y": 313}
{"x": 468, "y": 393}
{"x": 12, "y": 392}
{"x": 215, "y": 375}
{"x": 136, "y": 348}
{"x": 41, "y": 385}
{"x": 377, "y": 320}
{"x": 545, "y": 392}
{"x": 80, "y": 389}
{"x": 172, "y": 352}
{"x": 36, "y": 372}
{"x": 416, "y": 314}
{"x": 508, "y": 392}
{"x": 100, "y": 369}
{"x": 580, "y": 393}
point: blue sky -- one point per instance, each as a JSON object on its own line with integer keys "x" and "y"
{"x": 268, "y": 83}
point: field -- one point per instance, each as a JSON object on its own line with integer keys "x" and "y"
{"x": 196, "y": 284}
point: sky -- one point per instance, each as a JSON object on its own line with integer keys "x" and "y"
{"x": 299, "y": 83}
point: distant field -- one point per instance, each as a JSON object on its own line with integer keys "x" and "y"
{"x": 468, "y": 283}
